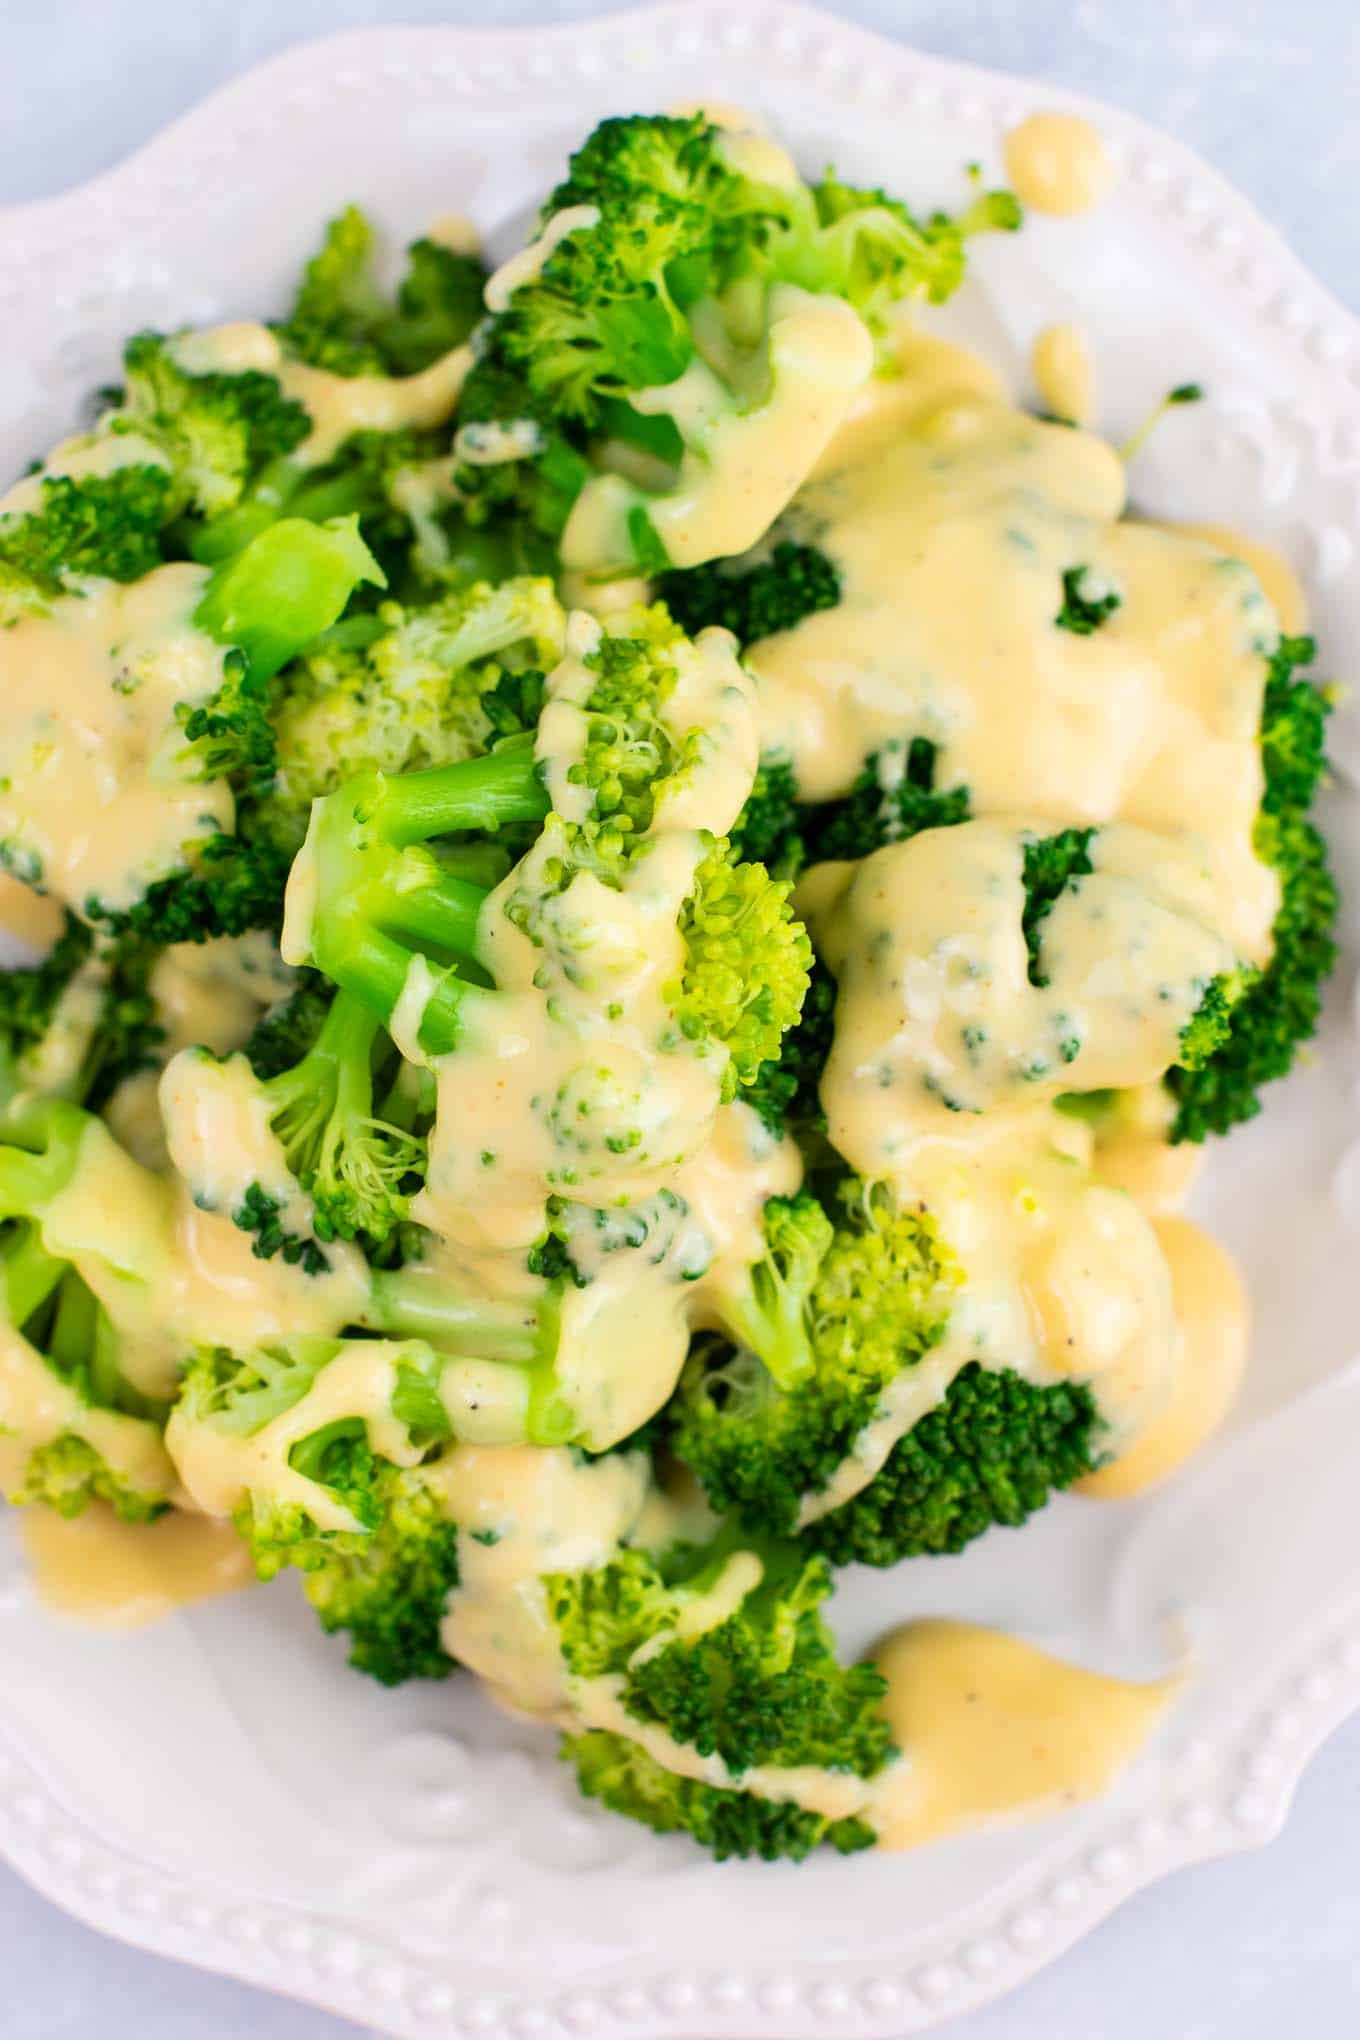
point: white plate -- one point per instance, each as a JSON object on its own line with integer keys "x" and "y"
{"x": 222, "y": 1789}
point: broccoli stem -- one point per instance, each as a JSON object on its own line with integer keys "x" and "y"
{"x": 284, "y": 588}
{"x": 480, "y": 793}
{"x": 283, "y": 489}
{"x": 30, "y": 1274}
{"x": 375, "y": 910}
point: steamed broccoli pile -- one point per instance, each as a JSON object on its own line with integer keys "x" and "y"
{"x": 514, "y": 1263}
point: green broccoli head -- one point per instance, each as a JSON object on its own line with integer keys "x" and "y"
{"x": 389, "y": 1592}
{"x": 216, "y": 430}
{"x": 1279, "y": 1008}
{"x": 993, "y": 1451}
{"x": 340, "y": 319}
{"x": 409, "y": 688}
{"x": 666, "y": 227}
{"x": 343, "y": 1157}
{"x": 106, "y": 525}
{"x": 772, "y": 1405}
{"x": 753, "y": 601}
{"x": 717, "y": 1661}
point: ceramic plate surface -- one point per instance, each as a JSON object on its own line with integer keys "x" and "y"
{"x": 222, "y": 1789}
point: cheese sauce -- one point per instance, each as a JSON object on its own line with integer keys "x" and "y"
{"x": 96, "y": 793}
{"x": 953, "y": 519}
{"x": 1212, "y": 1315}
{"x": 581, "y": 1086}
{"x": 1057, "y": 163}
{"x": 1064, "y": 374}
{"x": 28, "y": 917}
{"x": 114, "y": 1575}
{"x": 994, "y": 1730}
{"x": 338, "y": 405}
{"x": 818, "y": 356}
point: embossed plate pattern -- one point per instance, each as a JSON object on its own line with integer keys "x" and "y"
{"x": 220, "y": 1789}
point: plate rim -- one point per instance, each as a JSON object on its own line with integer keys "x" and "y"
{"x": 307, "y": 1955}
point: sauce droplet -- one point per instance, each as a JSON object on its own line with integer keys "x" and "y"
{"x": 1211, "y": 1309}
{"x": 1057, "y": 163}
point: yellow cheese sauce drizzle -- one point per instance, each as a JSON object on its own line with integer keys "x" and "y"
{"x": 111, "y": 1575}
{"x": 996, "y": 1730}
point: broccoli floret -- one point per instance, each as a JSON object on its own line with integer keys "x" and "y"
{"x": 755, "y": 1689}
{"x": 412, "y": 688}
{"x": 753, "y": 601}
{"x": 77, "y": 1023}
{"x": 894, "y": 797}
{"x": 75, "y": 1429}
{"x": 284, "y": 1033}
{"x": 341, "y": 321}
{"x": 341, "y": 1116}
{"x": 107, "y": 525}
{"x": 786, "y": 1088}
{"x": 768, "y": 1411}
{"x": 381, "y": 897}
{"x": 768, "y": 829}
{"x": 1279, "y": 1008}
{"x": 728, "y": 1823}
{"x": 389, "y": 1594}
{"x": 993, "y": 1451}
{"x": 659, "y": 232}
{"x": 289, "y": 583}
{"x": 217, "y": 430}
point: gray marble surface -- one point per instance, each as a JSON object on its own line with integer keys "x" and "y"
{"x": 1242, "y": 1950}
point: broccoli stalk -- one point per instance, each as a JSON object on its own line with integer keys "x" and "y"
{"x": 1279, "y": 1008}
{"x": 382, "y": 897}
{"x": 72, "y": 1427}
{"x": 352, "y": 1164}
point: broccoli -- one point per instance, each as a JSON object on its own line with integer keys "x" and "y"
{"x": 199, "y": 860}
{"x": 688, "y": 303}
{"x": 388, "y": 1594}
{"x": 1279, "y": 1009}
{"x": 72, "y": 1426}
{"x": 1086, "y": 603}
{"x": 341, "y": 321}
{"x": 77, "y": 1023}
{"x": 700, "y": 1676}
{"x": 753, "y": 601}
{"x": 993, "y": 1451}
{"x": 411, "y": 688}
{"x": 346, "y": 1162}
{"x": 103, "y": 524}
{"x": 895, "y": 796}
{"x": 217, "y": 430}
{"x": 785, "y": 1090}
{"x": 990, "y": 1450}
{"x": 376, "y": 897}
{"x": 809, "y": 1340}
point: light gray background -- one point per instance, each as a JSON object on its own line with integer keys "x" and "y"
{"x": 1244, "y": 1950}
